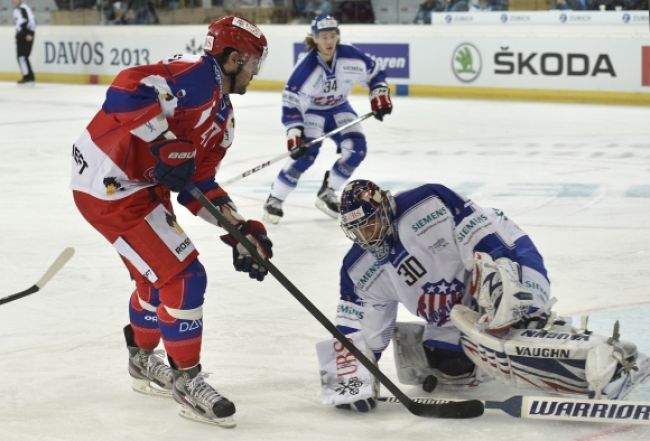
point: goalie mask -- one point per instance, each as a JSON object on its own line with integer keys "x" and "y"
{"x": 367, "y": 215}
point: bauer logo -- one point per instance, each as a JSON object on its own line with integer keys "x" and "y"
{"x": 645, "y": 66}
{"x": 393, "y": 57}
{"x": 466, "y": 62}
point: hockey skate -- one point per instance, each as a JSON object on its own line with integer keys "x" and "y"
{"x": 273, "y": 210}
{"x": 327, "y": 201}
{"x": 150, "y": 375}
{"x": 201, "y": 402}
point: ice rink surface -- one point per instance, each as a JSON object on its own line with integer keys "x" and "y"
{"x": 576, "y": 177}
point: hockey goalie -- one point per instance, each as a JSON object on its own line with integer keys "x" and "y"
{"x": 480, "y": 288}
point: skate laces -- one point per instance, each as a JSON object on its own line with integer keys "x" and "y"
{"x": 156, "y": 367}
{"x": 202, "y": 391}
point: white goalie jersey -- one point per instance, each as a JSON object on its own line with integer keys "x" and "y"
{"x": 437, "y": 234}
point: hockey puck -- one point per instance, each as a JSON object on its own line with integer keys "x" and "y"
{"x": 429, "y": 383}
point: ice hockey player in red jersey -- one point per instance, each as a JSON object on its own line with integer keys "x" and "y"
{"x": 161, "y": 127}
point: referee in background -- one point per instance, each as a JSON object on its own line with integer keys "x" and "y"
{"x": 25, "y": 27}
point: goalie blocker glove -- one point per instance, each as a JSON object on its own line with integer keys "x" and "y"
{"x": 243, "y": 261}
{"x": 175, "y": 163}
{"x": 380, "y": 102}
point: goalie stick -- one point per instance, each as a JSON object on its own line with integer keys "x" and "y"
{"x": 457, "y": 409}
{"x": 302, "y": 146}
{"x": 51, "y": 271}
{"x": 561, "y": 409}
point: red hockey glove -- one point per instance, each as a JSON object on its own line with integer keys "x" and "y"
{"x": 175, "y": 165}
{"x": 295, "y": 136}
{"x": 380, "y": 102}
{"x": 242, "y": 260}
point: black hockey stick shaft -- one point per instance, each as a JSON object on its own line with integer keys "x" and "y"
{"x": 51, "y": 271}
{"x": 303, "y": 146}
{"x": 460, "y": 409}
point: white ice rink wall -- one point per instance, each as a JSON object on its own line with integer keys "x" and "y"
{"x": 551, "y": 55}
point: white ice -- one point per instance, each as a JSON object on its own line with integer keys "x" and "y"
{"x": 576, "y": 177}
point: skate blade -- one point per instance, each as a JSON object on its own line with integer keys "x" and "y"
{"x": 147, "y": 388}
{"x": 322, "y": 206}
{"x": 187, "y": 413}
{"x": 274, "y": 219}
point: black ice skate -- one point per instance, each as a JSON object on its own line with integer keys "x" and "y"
{"x": 150, "y": 375}
{"x": 201, "y": 402}
{"x": 273, "y": 210}
{"x": 327, "y": 201}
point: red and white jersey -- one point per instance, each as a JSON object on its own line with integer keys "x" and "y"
{"x": 111, "y": 159}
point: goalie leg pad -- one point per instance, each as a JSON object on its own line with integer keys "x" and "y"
{"x": 556, "y": 359}
{"x": 344, "y": 380}
{"x": 414, "y": 362}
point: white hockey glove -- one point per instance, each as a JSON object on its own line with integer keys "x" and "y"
{"x": 346, "y": 383}
{"x": 499, "y": 292}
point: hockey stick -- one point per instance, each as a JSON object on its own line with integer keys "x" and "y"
{"x": 562, "y": 409}
{"x": 303, "y": 146}
{"x": 51, "y": 271}
{"x": 458, "y": 409}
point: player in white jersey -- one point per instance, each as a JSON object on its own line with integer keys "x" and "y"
{"x": 315, "y": 101}
{"x": 434, "y": 251}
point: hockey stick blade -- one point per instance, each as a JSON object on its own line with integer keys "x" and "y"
{"x": 554, "y": 408}
{"x": 51, "y": 271}
{"x": 448, "y": 409}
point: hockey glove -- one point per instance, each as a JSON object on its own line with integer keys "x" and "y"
{"x": 295, "y": 136}
{"x": 175, "y": 163}
{"x": 380, "y": 102}
{"x": 242, "y": 260}
{"x": 360, "y": 406}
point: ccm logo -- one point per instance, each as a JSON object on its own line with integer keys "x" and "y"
{"x": 182, "y": 155}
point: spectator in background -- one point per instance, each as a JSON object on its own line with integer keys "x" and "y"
{"x": 575, "y": 5}
{"x": 423, "y": 16}
{"x": 25, "y": 28}
{"x": 481, "y": 5}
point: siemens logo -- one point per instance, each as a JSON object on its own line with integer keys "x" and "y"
{"x": 470, "y": 226}
{"x": 423, "y": 222}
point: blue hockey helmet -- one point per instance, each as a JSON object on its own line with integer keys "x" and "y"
{"x": 324, "y": 23}
{"x": 367, "y": 215}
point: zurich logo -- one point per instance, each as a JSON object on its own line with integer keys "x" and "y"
{"x": 504, "y": 18}
{"x": 563, "y": 17}
{"x": 448, "y": 18}
{"x": 626, "y": 18}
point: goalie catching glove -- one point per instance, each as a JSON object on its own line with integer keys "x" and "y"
{"x": 503, "y": 299}
{"x": 243, "y": 261}
{"x": 380, "y": 102}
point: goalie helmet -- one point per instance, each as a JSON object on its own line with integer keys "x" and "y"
{"x": 324, "y": 23}
{"x": 367, "y": 215}
{"x": 237, "y": 33}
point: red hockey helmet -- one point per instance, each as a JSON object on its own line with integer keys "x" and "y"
{"x": 237, "y": 33}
